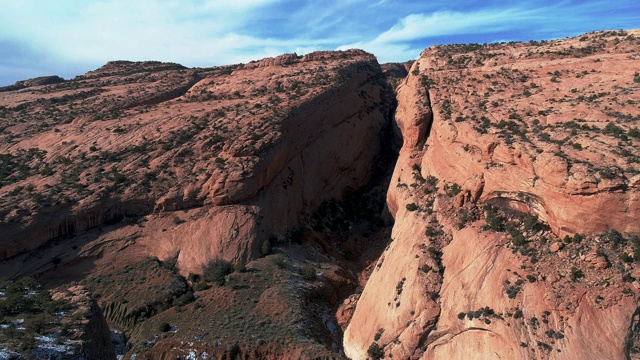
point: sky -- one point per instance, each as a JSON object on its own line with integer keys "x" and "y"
{"x": 70, "y": 37}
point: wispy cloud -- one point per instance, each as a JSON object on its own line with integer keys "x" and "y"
{"x": 413, "y": 32}
{"x": 419, "y": 26}
{"x": 81, "y": 35}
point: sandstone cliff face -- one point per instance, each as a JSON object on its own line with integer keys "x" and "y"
{"x": 246, "y": 151}
{"x": 495, "y": 139}
{"x": 130, "y": 178}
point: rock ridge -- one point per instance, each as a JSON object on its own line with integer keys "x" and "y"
{"x": 497, "y": 250}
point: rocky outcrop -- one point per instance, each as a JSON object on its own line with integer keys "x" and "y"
{"x": 282, "y": 60}
{"x": 396, "y": 72}
{"x": 518, "y": 128}
{"x": 92, "y": 332}
{"x": 253, "y": 150}
{"x": 124, "y": 68}
{"x": 42, "y": 80}
{"x": 515, "y": 198}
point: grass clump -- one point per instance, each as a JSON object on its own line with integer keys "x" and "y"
{"x": 216, "y": 270}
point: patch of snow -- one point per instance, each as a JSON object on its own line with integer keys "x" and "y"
{"x": 6, "y": 354}
{"x": 48, "y": 349}
{"x": 192, "y": 355}
{"x": 119, "y": 343}
{"x": 151, "y": 342}
{"x": 45, "y": 338}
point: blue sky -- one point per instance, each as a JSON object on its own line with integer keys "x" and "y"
{"x": 70, "y": 37}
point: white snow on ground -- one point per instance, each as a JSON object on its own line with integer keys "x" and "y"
{"x": 47, "y": 347}
{"x": 192, "y": 355}
{"x": 118, "y": 341}
{"x": 6, "y": 354}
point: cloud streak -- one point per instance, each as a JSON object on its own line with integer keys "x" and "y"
{"x": 413, "y": 32}
{"x": 82, "y": 35}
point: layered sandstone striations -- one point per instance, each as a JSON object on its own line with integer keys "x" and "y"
{"x": 516, "y": 199}
{"x": 132, "y": 177}
{"x": 247, "y": 151}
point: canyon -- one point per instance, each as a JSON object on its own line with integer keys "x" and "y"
{"x": 481, "y": 202}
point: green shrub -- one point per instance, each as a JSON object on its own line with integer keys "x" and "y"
{"x": 531, "y": 222}
{"x": 240, "y": 267}
{"x": 615, "y": 237}
{"x": 518, "y": 239}
{"x": 375, "y": 351}
{"x": 412, "y": 207}
{"x": 266, "y": 248}
{"x": 278, "y": 260}
{"x": 576, "y": 274}
{"x": 194, "y": 278}
{"x": 216, "y": 270}
{"x": 308, "y": 272}
{"x": 626, "y": 257}
{"x": 164, "y": 327}
{"x": 184, "y": 298}
{"x": 518, "y": 314}
{"x": 200, "y": 286}
{"x": 452, "y": 189}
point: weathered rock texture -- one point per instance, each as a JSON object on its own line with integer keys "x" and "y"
{"x": 42, "y": 80}
{"x": 244, "y": 152}
{"x": 91, "y": 332}
{"x": 546, "y": 130}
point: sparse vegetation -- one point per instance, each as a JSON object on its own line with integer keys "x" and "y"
{"x": 308, "y": 272}
{"x": 412, "y": 207}
{"x": 375, "y": 352}
{"x": 216, "y": 270}
{"x": 27, "y": 311}
{"x": 164, "y": 327}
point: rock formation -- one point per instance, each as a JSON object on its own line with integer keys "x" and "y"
{"x": 254, "y": 148}
{"x": 93, "y": 334}
{"x": 515, "y": 198}
{"x": 131, "y": 178}
{"x": 510, "y": 150}
{"x": 42, "y": 80}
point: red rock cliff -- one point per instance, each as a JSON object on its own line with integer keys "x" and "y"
{"x": 507, "y": 149}
{"x": 248, "y": 151}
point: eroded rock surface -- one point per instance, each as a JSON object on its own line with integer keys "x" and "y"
{"x": 131, "y": 178}
{"x": 507, "y": 149}
{"x": 238, "y": 153}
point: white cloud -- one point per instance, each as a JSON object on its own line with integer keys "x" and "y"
{"x": 417, "y": 26}
{"x": 216, "y": 32}
{"x": 386, "y": 52}
{"x": 199, "y": 33}
{"x": 395, "y": 43}
{"x": 235, "y": 4}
